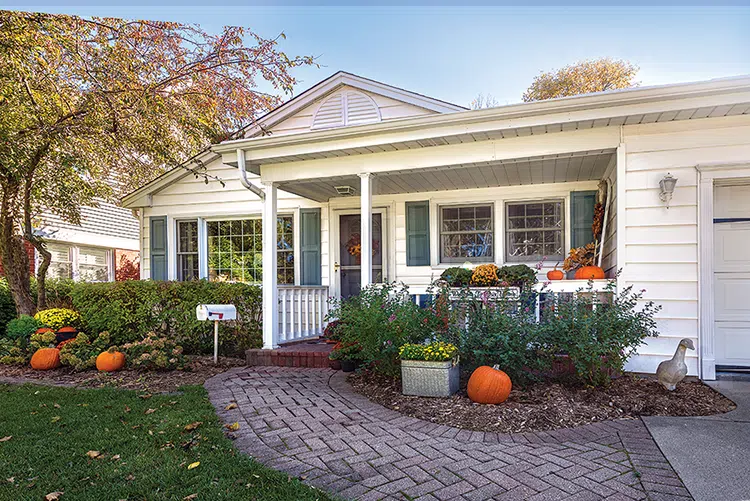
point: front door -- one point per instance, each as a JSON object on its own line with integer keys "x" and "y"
{"x": 732, "y": 276}
{"x": 349, "y": 253}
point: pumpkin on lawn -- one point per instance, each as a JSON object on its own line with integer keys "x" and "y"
{"x": 589, "y": 273}
{"x": 489, "y": 385}
{"x": 110, "y": 361}
{"x": 45, "y": 359}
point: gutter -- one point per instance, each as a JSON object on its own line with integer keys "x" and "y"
{"x": 243, "y": 176}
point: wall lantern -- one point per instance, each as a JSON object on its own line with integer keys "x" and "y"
{"x": 666, "y": 187}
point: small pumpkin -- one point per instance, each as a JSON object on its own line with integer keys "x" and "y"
{"x": 110, "y": 361}
{"x": 555, "y": 274}
{"x": 589, "y": 273}
{"x": 45, "y": 359}
{"x": 489, "y": 385}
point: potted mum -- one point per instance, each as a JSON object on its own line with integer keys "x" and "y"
{"x": 429, "y": 370}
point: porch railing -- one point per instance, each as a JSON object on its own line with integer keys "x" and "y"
{"x": 302, "y": 312}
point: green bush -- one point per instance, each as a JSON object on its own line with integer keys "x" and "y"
{"x": 517, "y": 275}
{"x": 457, "y": 276}
{"x": 380, "y": 320}
{"x": 22, "y": 328}
{"x": 7, "y": 306}
{"x": 154, "y": 353}
{"x": 13, "y": 352}
{"x": 80, "y": 353}
{"x": 131, "y": 309}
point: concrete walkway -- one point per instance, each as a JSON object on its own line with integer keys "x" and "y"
{"x": 711, "y": 454}
{"x": 310, "y": 424}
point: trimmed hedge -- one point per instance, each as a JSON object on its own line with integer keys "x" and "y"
{"x": 131, "y": 309}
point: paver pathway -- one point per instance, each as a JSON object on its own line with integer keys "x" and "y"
{"x": 310, "y": 424}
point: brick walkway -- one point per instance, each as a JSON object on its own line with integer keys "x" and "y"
{"x": 310, "y": 424}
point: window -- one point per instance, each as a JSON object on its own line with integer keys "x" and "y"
{"x": 235, "y": 250}
{"x": 61, "y": 265}
{"x": 92, "y": 264}
{"x": 187, "y": 250}
{"x": 466, "y": 234}
{"x": 534, "y": 230}
{"x": 89, "y": 264}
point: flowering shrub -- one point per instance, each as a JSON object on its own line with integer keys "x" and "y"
{"x": 331, "y": 330}
{"x": 437, "y": 351}
{"x": 345, "y": 351}
{"x": 484, "y": 275}
{"x": 56, "y": 318}
{"x": 80, "y": 352}
{"x": 154, "y": 352}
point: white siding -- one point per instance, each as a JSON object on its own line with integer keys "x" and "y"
{"x": 660, "y": 244}
{"x": 609, "y": 255}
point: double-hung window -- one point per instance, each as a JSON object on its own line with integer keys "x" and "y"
{"x": 187, "y": 250}
{"x": 534, "y": 230}
{"x": 89, "y": 264}
{"x": 466, "y": 234}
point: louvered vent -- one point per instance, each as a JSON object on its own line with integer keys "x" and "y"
{"x": 346, "y": 108}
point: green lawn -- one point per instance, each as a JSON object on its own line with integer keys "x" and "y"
{"x": 145, "y": 453}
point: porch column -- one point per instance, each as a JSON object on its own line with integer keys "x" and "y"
{"x": 270, "y": 287}
{"x": 366, "y": 227}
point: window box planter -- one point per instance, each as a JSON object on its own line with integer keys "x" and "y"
{"x": 486, "y": 293}
{"x": 429, "y": 379}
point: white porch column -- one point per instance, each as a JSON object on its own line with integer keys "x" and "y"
{"x": 270, "y": 287}
{"x": 366, "y": 228}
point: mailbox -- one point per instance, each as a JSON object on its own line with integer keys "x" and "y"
{"x": 216, "y": 312}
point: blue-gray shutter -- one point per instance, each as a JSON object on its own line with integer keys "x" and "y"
{"x": 158, "y": 247}
{"x": 310, "y": 247}
{"x": 581, "y": 217}
{"x": 417, "y": 233}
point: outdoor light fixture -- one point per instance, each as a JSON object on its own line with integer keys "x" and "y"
{"x": 666, "y": 187}
{"x": 344, "y": 190}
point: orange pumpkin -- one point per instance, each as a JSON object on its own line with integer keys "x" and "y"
{"x": 45, "y": 359}
{"x": 555, "y": 275}
{"x": 42, "y": 330}
{"x": 489, "y": 385}
{"x": 589, "y": 273}
{"x": 110, "y": 361}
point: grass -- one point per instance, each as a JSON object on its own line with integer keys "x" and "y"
{"x": 145, "y": 454}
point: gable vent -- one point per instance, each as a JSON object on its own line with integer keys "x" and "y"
{"x": 346, "y": 108}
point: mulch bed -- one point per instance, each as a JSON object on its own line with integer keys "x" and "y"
{"x": 548, "y": 406}
{"x": 198, "y": 370}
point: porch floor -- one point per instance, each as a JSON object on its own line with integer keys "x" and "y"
{"x": 311, "y": 353}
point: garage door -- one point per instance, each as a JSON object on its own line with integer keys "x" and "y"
{"x": 732, "y": 275}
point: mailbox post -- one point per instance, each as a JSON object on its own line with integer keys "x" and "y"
{"x": 217, "y": 313}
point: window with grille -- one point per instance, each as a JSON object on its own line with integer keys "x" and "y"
{"x": 88, "y": 264}
{"x": 92, "y": 264}
{"x": 61, "y": 265}
{"x": 235, "y": 250}
{"x": 187, "y": 250}
{"x": 466, "y": 234}
{"x": 534, "y": 230}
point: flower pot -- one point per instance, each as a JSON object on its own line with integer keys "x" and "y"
{"x": 348, "y": 365}
{"x": 429, "y": 379}
{"x": 589, "y": 273}
{"x": 65, "y": 333}
{"x": 334, "y": 364}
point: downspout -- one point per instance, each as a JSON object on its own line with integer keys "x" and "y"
{"x": 243, "y": 175}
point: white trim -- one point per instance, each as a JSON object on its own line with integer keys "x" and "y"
{"x": 202, "y": 248}
{"x": 270, "y": 287}
{"x": 708, "y": 175}
{"x": 621, "y": 212}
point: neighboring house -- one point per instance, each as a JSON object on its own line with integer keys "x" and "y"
{"x": 442, "y": 185}
{"x": 105, "y": 246}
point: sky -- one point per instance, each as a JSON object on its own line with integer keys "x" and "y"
{"x": 454, "y": 53}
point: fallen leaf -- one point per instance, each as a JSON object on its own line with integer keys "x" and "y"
{"x": 303, "y": 477}
{"x": 11, "y": 480}
{"x": 232, "y": 427}
{"x": 193, "y": 426}
{"x": 56, "y": 406}
{"x": 150, "y": 411}
{"x": 5, "y": 439}
{"x": 190, "y": 497}
{"x": 130, "y": 478}
{"x": 145, "y": 396}
{"x": 194, "y": 465}
{"x": 55, "y": 419}
{"x": 127, "y": 409}
{"x": 230, "y": 406}
{"x": 94, "y": 454}
{"x": 53, "y": 496}
{"x": 150, "y": 432}
{"x": 116, "y": 457}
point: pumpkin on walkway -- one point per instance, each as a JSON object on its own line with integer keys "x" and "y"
{"x": 110, "y": 361}
{"x": 489, "y": 385}
{"x": 45, "y": 359}
{"x": 589, "y": 273}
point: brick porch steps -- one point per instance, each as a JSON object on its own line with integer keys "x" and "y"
{"x": 304, "y": 354}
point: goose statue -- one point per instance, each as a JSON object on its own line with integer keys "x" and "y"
{"x": 671, "y": 372}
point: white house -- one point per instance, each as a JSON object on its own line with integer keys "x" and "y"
{"x": 439, "y": 184}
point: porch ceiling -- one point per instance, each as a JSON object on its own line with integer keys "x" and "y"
{"x": 562, "y": 168}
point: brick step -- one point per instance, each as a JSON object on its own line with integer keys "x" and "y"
{"x": 293, "y": 356}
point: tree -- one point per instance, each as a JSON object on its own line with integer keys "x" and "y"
{"x": 91, "y": 105}
{"x": 482, "y": 101}
{"x": 595, "y": 75}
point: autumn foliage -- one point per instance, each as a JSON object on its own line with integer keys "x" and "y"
{"x": 589, "y": 76}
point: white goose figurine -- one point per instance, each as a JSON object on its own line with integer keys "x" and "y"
{"x": 671, "y": 372}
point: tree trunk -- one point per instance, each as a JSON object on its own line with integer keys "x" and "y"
{"x": 15, "y": 259}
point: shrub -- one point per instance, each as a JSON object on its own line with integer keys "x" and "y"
{"x": 131, "y": 309}
{"x": 80, "y": 353}
{"x": 22, "y": 328}
{"x": 58, "y": 296}
{"x": 38, "y": 340}
{"x": 7, "y": 306}
{"x": 437, "y": 351}
{"x": 12, "y": 352}
{"x": 457, "y": 277}
{"x": 484, "y": 275}
{"x": 517, "y": 275}
{"x": 600, "y": 335}
{"x": 57, "y": 318}
{"x": 380, "y": 320}
{"x": 154, "y": 352}
{"x": 346, "y": 351}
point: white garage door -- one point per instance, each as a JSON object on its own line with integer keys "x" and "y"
{"x": 732, "y": 275}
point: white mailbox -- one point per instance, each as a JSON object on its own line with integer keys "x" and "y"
{"x": 216, "y": 313}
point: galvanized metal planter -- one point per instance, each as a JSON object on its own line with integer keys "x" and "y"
{"x": 429, "y": 379}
